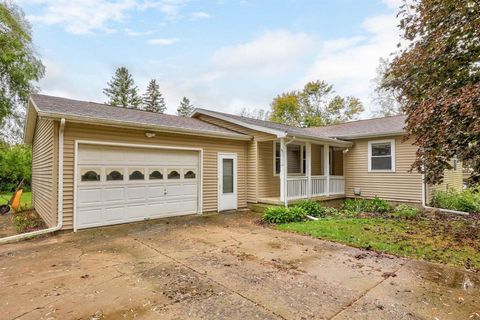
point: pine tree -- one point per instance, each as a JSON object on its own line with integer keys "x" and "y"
{"x": 153, "y": 99}
{"x": 122, "y": 91}
{"x": 185, "y": 108}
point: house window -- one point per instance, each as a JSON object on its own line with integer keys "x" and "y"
{"x": 381, "y": 156}
{"x": 189, "y": 174}
{"x": 296, "y": 158}
{"x": 277, "y": 157}
{"x": 173, "y": 175}
{"x": 136, "y": 174}
{"x": 114, "y": 174}
{"x": 90, "y": 175}
{"x": 156, "y": 175}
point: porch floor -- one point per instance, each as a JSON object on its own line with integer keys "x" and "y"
{"x": 277, "y": 201}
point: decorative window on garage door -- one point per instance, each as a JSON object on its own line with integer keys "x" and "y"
{"x": 189, "y": 174}
{"x": 114, "y": 174}
{"x": 90, "y": 174}
{"x": 173, "y": 174}
{"x": 136, "y": 174}
{"x": 156, "y": 174}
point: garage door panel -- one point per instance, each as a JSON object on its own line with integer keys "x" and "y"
{"x": 87, "y": 217}
{"x": 136, "y": 193}
{"x": 114, "y": 214}
{"x": 113, "y": 194}
{"x": 88, "y": 197}
{"x": 155, "y": 192}
{"x": 107, "y": 202}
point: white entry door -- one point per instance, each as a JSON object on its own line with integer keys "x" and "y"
{"x": 227, "y": 181}
{"x": 124, "y": 184}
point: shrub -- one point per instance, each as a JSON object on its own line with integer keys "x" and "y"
{"x": 284, "y": 215}
{"x": 312, "y": 208}
{"x": 403, "y": 211}
{"x": 379, "y": 205}
{"x": 24, "y": 223}
{"x": 358, "y": 206}
{"x": 468, "y": 200}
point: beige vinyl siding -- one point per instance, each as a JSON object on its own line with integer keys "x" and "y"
{"x": 400, "y": 185}
{"x": 44, "y": 170}
{"x": 211, "y": 148}
{"x": 317, "y": 160}
{"x": 337, "y": 162}
{"x": 452, "y": 179}
{"x": 254, "y": 173}
{"x": 268, "y": 183}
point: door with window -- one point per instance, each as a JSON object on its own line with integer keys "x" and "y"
{"x": 227, "y": 181}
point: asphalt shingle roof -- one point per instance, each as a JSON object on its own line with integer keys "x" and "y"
{"x": 368, "y": 127}
{"x": 98, "y": 111}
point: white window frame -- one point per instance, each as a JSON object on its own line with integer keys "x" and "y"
{"x": 392, "y": 148}
{"x": 302, "y": 159}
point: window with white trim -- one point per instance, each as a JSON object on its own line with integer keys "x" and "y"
{"x": 277, "y": 157}
{"x": 381, "y": 155}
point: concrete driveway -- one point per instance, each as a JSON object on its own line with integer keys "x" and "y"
{"x": 221, "y": 267}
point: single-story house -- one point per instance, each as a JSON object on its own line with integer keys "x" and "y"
{"x": 96, "y": 165}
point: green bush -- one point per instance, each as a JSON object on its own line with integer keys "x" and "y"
{"x": 403, "y": 211}
{"x": 312, "y": 208}
{"x": 24, "y": 223}
{"x": 379, "y": 205}
{"x": 15, "y": 164}
{"x": 283, "y": 215}
{"x": 468, "y": 200}
{"x": 354, "y": 205}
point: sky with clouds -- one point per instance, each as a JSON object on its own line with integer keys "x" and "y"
{"x": 222, "y": 54}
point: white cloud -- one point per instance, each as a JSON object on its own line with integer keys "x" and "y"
{"x": 271, "y": 53}
{"x": 162, "y": 41}
{"x": 350, "y": 63}
{"x": 90, "y": 16}
{"x": 134, "y": 33}
{"x": 200, "y": 15}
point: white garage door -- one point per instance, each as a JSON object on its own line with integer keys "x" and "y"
{"x": 124, "y": 184}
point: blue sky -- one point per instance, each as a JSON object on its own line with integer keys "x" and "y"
{"x": 223, "y": 55}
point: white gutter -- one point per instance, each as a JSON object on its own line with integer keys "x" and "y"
{"x": 59, "y": 225}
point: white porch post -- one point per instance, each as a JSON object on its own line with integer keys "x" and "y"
{"x": 326, "y": 167}
{"x": 283, "y": 172}
{"x": 308, "y": 169}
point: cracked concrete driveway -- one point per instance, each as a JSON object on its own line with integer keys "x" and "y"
{"x": 221, "y": 267}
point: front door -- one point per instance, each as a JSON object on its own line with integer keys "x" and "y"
{"x": 227, "y": 181}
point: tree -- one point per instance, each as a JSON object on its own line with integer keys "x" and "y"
{"x": 15, "y": 165}
{"x": 185, "y": 108}
{"x": 437, "y": 76}
{"x": 386, "y": 100}
{"x": 316, "y": 105}
{"x": 122, "y": 91}
{"x": 259, "y": 114}
{"x": 286, "y": 109}
{"x": 19, "y": 66}
{"x": 153, "y": 99}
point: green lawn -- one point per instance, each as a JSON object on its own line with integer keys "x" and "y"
{"x": 26, "y": 198}
{"x": 451, "y": 242}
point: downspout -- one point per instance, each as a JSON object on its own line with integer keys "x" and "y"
{"x": 286, "y": 169}
{"x": 59, "y": 225}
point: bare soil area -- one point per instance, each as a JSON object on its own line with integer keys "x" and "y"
{"x": 222, "y": 267}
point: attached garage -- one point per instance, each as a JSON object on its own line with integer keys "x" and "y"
{"x": 119, "y": 184}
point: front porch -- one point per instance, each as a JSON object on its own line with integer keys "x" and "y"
{"x": 301, "y": 170}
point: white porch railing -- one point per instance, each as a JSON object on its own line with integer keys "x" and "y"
{"x": 337, "y": 185}
{"x": 297, "y": 187}
{"x": 319, "y": 186}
